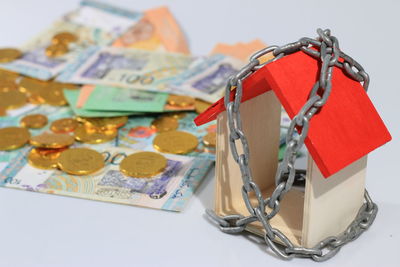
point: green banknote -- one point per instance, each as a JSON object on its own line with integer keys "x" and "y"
{"x": 72, "y": 98}
{"x": 109, "y": 98}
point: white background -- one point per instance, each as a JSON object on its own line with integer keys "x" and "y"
{"x": 46, "y": 230}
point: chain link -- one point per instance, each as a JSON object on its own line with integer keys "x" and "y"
{"x": 324, "y": 48}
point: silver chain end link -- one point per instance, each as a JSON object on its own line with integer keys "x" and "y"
{"x": 329, "y": 54}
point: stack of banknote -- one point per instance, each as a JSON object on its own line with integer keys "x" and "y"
{"x": 119, "y": 83}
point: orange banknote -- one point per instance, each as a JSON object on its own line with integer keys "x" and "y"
{"x": 157, "y": 30}
{"x": 241, "y": 51}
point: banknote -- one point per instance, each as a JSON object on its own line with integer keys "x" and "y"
{"x": 170, "y": 190}
{"x": 72, "y": 98}
{"x": 138, "y": 134}
{"x": 157, "y": 31}
{"x": 126, "y": 67}
{"x": 92, "y": 23}
{"x": 111, "y": 98}
{"x": 240, "y": 50}
{"x": 206, "y": 78}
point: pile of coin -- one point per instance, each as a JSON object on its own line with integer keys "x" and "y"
{"x": 15, "y": 92}
{"x": 170, "y": 140}
{"x": 60, "y": 44}
{"x": 8, "y": 55}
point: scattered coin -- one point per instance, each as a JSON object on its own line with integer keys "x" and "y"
{"x": 12, "y": 99}
{"x": 64, "y": 38}
{"x": 105, "y": 123}
{"x": 201, "y": 106}
{"x": 7, "y": 85}
{"x": 8, "y": 75}
{"x": 56, "y": 50}
{"x": 53, "y": 96}
{"x": 32, "y": 86}
{"x": 34, "y": 121}
{"x": 165, "y": 124}
{"x": 9, "y": 54}
{"x": 92, "y": 135}
{"x": 43, "y": 158}
{"x": 180, "y": 100}
{"x": 143, "y": 164}
{"x": 13, "y": 137}
{"x": 65, "y": 125}
{"x": 210, "y": 140}
{"x": 80, "y": 161}
{"x": 177, "y": 115}
{"x": 52, "y": 140}
{"x": 35, "y": 99}
{"x": 175, "y": 142}
{"x": 63, "y": 86}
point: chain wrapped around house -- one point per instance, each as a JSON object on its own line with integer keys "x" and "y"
{"x": 324, "y": 92}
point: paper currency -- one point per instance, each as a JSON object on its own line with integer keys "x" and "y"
{"x": 206, "y": 78}
{"x": 123, "y": 67}
{"x": 169, "y": 190}
{"x": 109, "y": 98}
{"x": 92, "y": 23}
{"x": 157, "y": 31}
{"x": 72, "y": 98}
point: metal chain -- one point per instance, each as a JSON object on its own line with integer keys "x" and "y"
{"x": 326, "y": 49}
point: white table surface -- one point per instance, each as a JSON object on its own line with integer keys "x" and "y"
{"x": 46, "y": 230}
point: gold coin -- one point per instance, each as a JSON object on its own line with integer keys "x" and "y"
{"x": 34, "y": 121}
{"x": 105, "y": 123}
{"x": 65, "y": 125}
{"x": 9, "y": 54}
{"x": 13, "y": 137}
{"x": 165, "y": 124}
{"x": 7, "y": 85}
{"x": 180, "y": 100}
{"x": 3, "y": 112}
{"x": 63, "y": 86}
{"x": 8, "y": 75}
{"x": 12, "y": 99}
{"x": 64, "y": 38}
{"x": 176, "y": 115}
{"x": 52, "y": 140}
{"x": 92, "y": 135}
{"x": 32, "y": 86}
{"x": 43, "y": 158}
{"x": 80, "y": 161}
{"x": 143, "y": 164}
{"x": 201, "y": 106}
{"x": 210, "y": 140}
{"x": 175, "y": 142}
{"x": 56, "y": 50}
{"x": 35, "y": 99}
{"x": 53, "y": 96}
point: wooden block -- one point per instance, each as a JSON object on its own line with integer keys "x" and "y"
{"x": 330, "y": 205}
{"x": 261, "y": 120}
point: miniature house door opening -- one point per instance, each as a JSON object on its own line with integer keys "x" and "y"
{"x": 324, "y": 208}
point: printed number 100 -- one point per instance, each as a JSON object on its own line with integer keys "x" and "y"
{"x": 135, "y": 78}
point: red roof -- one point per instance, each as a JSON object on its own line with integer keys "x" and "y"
{"x": 348, "y": 126}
